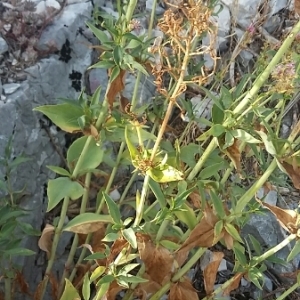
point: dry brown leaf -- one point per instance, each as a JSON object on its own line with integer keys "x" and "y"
{"x": 234, "y": 154}
{"x": 293, "y": 172}
{"x": 123, "y": 103}
{"x": 195, "y": 199}
{"x": 115, "y": 88}
{"x": 21, "y": 283}
{"x": 113, "y": 290}
{"x": 234, "y": 284}
{"x": 54, "y": 286}
{"x": 297, "y": 6}
{"x": 183, "y": 291}
{"x": 157, "y": 259}
{"x": 286, "y": 217}
{"x": 203, "y": 234}
{"x": 94, "y": 132}
{"x": 86, "y": 228}
{"x": 210, "y": 272}
{"x": 150, "y": 287}
{"x": 82, "y": 269}
{"x": 38, "y": 292}
{"x": 45, "y": 241}
{"x": 116, "y": 248}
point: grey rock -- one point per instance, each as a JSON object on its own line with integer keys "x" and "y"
{"x": 3, "y": 46}
{"x": 10, "y": 88}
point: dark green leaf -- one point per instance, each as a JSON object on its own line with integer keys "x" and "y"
{"x": 103, "y": 64}
{"x": 217, "y": 114}
{"x": 118, "y": 55}
{"x": 211, "y": 170}
{"x": 114, "y": 211}
{"x": 106, "y": 279}
{"x": 218, "y": 205}
{"x": 19, "y": 252}
{"x": 101, "y": 36}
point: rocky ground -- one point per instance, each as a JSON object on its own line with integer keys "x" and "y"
{"x": 45, "y": 50}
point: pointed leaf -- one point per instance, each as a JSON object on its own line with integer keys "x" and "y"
{"x": 60, "y": 188}
{"x": 63, "y": 115}
{"x": 70, "y": 293}
{"x": 59, "y": 170}
{"x": 87, "y": 222}
{"x": 101, "y": 36}
{"x": 129, "y": 235}
{"x": 113, "y": 208}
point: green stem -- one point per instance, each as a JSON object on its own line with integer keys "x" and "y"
{"x": 7, "y": 286}
{"x": 266, "y": 73}
{"x": 275, "y": 249}
{"x": 65, "y": 205}
{"x": 130, "y": 9}
{"x": 72, "y": 252}
{"x": 243, "y": 201}
{"x": 289, "y": 291}
{"x": 161, "y": 230}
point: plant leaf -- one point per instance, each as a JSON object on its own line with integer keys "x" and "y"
{"x": 129, "y": 235}
{"x": 63, "y": 115}
{"x": 114, "y": 211}
{"x": 60, "y": 188}
{"x": 87, "y": 222}
{"x": 70, "y": 293}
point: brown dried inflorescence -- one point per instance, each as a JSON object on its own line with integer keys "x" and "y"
{"x": 182, "y": 25}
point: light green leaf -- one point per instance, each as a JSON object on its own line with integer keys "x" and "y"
{"x": 92, "y": 158}
{"x": 244, "y": 136}
{"x": 114, "y": 73}
{"x": 70, "y": 293}
{"x": 86, "y": 288}
{"x": 295, "y": 251}
{"x": 114, "y": 211}
{"x": 59, "y": 170}
{"x": 129, "y": 235}
{"x": 169, "y": 245}
{"x": 110, "y": 237}
{"x": 60, "y": 188}
{"x": 63, "y": 115}
{"x": 233, "y": 232}
{"x": 87, "y": 222}
{"x": 139, "y": 67}
{"x": 106, "y": 279}
{"x": 97, "y": 273}
{"x": 126, "y": 269}
{"x": 165, "y": 174}
{"x": 267, "y": 142}
{"x": 131, "y": 279}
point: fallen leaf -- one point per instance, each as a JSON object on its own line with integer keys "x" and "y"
{"x": 183, "y": 290}
{"x": 234, "y": 154}
{"x": 45, "y": 241}
{"x": 297, "y": 6}
{"x": 113, "y": 291}
{"x": 115, "y": 88}
{"x": 195, "y": 199}
{"x": 235, "y": 283}
{"x": 286, "y": 217}
{"x": 157, "y": 259}
{"x": 210, "y": 271}
{"x": 116, "y": 248}
{"x": 293, "y": 172}
{"x": 21, "y": 283}
{"x": 54, "y": 286}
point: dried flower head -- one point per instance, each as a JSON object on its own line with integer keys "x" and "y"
{"x": 284, "y": 75}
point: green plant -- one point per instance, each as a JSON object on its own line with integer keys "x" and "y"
{"x": 11, "y": 225}
{"x": 188, "y": 202}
